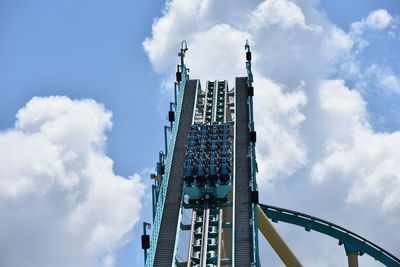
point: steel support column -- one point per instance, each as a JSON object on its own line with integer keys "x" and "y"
{"x": 352, "y": 259}
{"x": 276, "y": 241}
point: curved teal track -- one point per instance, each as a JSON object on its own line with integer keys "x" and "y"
{"x": 353, "y": 243}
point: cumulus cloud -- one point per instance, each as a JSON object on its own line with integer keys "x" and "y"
{"x": 316, "y": 150}
{"x": 280, "y": 151}
{"x": 283, "y": 13}
{"x": 367, "y": 160}
{"x": 179, "y": 20}
{"x": 61, "y": 203}
{"x": 220, "y": 40}
{"x": 376, "y": 20}
{"x": 383, "y": 77}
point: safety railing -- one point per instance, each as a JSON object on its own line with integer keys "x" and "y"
{"x": 253, "y": 162}
{"x": 165, "y": 179}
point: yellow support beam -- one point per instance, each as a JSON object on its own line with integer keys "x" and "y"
{"x": 352, "y": 259}
{"x": 276, "y": 241}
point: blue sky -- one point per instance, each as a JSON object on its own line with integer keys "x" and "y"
{"x": 93, "y": 49}
{"x": 381, "y": 51}
{"x": 90, "y": 49}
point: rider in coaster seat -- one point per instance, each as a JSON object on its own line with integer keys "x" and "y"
{"x": 225, "y": 151}
{"x": 214, "y": 142}
{"x": 212, "y": 174}
{"x": 213, "y": 157}
{"x": 226, "y": 131}
{"x": 200, "y": 161}
{"x": 224, "y": 171}
{"x": 192, "y": 138}
{"x": 214, "y": 130}
{"x": 189, "y": 154}
{"x": 204, "y": 130}
{"x": 226, "y": 143}
{"x": 212, "y": 160}
{"x": 201, "y": 155}
{"x": 214, "y": 136}
{"x": 226, "y": 137}
{"x": 191, "y": 144}
{"x": 200, "y": 175}
{"x": 188, "y": 172}
{"x": 203, "y": 143}
{"x": 213, "y": 147}
{"x": 202, "y": 148}
{"x": 193, "y": 132}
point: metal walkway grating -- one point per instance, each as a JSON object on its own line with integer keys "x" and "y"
{"x": 243, "y": 230}
{"x": 168, "y": 226}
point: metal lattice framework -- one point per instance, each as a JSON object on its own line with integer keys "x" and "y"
{"x": 164, "y": 184}
{"x": 225, "y": 217}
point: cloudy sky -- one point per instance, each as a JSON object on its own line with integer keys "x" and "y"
{"x": 84, "y": 88}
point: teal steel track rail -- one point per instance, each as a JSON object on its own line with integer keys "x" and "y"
{"x": 165, "y": 179}
{"x": 253, "y": 161}
{"x": 352, "y": 242}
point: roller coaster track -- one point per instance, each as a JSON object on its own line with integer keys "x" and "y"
{"x": 205, "y": 246}
{"x": 224, "y": 217}
{"x": 351, "y": 241}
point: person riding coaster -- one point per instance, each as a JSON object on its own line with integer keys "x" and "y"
{"x": 224, "y": 171}
{"x": 214, "y": 142}
{"x": 226, "y": 137}
{"x": 212, "y": 174}
{"x": 213, "y": 148}
{"x": 201, "y": 155}
{"x": 193, "y": 132}
{"x": 204, "y": 131}
{"x": 226, "y": 143}
{"x": 189, "y": 154}
{"x": 200, "y": 175}
{"x": 213, "y": 160}
{"x": 213, "y": 157}
{"x": 203, "y": 143}
{"x": 226, "y": 131}
{"x": 225, "y": 151}
{"x": 201, "y": 148}
{"x": 191, "y": 144}
{"x": 214, "y": 136}
{"x": 200, "y": 162}
{"x": 188, "y": 172}
{"x": 226, "y": 160}
{"x": 192, "y": 139}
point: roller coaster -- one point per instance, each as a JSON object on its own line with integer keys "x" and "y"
{"x": 206, "y": 210}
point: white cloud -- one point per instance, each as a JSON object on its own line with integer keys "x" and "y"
{"x": 280, "y": 151}
{"x": 367, "y": 160}
{"x": 383, "y": 77}
{"x": 376, "y": 20}
{"x": 207, "y": 48}
{"x": 60, "y": 202}
{"x": 179, "y": 19}
{"x": 312, "y": 131}
{"x": 390, "y": 81}
{"x": 281, "y": 12}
